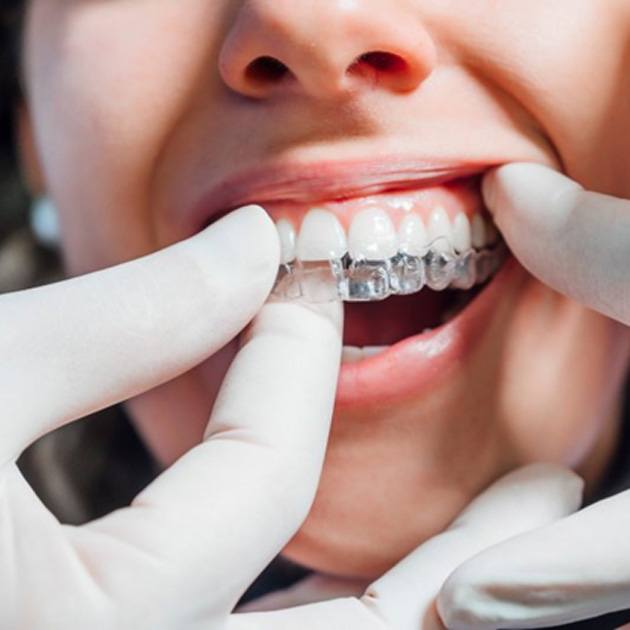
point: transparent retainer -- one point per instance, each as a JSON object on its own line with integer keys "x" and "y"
{"x": 363, "y": 280}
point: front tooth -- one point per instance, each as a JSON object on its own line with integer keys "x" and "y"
{"x": 321, "y": 237}
{"x": 287, "y": 240}
{"x": 413, "y": 236}
{"x": 478, "y": 232}
{"x": 461, "y": 233}
{"x": 440, "y": 228}
{"x": 372, "y": 236}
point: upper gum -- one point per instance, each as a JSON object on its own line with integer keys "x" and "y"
{"x": 454, "y": 199}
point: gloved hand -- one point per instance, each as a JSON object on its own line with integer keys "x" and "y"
{"x": 404, "y": 598}
{"x": 579, "y": 567}
{"x": 185, "y": 550}
{"x": 182, "y": 554}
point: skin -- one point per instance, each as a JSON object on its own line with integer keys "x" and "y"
{"x": 124, "y": 141}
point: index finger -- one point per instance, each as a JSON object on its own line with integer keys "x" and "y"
{"x": 220, "y": 514}
{"x": 577, "y": 242}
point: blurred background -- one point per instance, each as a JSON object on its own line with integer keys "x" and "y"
{"x": 24, "y": 260}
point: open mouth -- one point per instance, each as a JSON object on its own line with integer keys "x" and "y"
{"x": 403, "y": 330}
{"x": 405, "y": 262}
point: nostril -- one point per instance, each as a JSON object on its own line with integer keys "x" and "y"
{"x": 266, "y": 70}
{"x": 381, "y": 61}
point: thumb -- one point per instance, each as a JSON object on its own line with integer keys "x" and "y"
{"x": 577, "y": 242}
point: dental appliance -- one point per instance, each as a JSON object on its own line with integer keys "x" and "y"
{"x": 360, "y": 279}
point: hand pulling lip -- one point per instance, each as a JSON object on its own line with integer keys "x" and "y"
{"x": 324, "y": 181}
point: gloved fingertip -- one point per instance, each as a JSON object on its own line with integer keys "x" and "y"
{"x": 458, "y": 604}
{"x": 247, "y": 240}
{"x": 530, "y": 196}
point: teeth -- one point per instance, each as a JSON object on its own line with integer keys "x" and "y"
{"x": 461, "y": 233}
{"x": 287, "y": 240}
{"x": 353, "y": 354}
{"x": 372, "y": 236}
{"x": 321, "y": 237}
{"x": 376, "y": 261}
{"x": 413, "y": 236}
{"x": 492, "y": 234}
{"x": 478, "y": 232}
{"x": 440, "y": 228}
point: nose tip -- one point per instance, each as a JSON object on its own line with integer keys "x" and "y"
{"x": 282, "y": 45}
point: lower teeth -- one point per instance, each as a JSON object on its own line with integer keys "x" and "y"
{"x": 367, "y": 281}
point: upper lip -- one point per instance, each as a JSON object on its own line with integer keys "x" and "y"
{"x": 324, "y": 181}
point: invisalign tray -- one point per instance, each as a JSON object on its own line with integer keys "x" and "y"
{"x": 365, "y": 280}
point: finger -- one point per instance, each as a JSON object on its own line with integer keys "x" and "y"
{"x": 526, "y": 498}
{"x": 219, "y": 515}
{"x": 575, "y": 241}
{"x": 92, "y": 341}
{"x": 576, "y": 568}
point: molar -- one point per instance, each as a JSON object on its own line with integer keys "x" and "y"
{"x": 321, "y": 237}
{"x": 478, "y": 232}
{"x": 372, "y": 236}
{"x": 440, "y": 228}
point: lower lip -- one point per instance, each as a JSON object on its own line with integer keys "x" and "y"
{"x": 423, "y": 362}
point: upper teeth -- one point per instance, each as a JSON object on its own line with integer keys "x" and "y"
{"x": 321, "y": 237}
{"x": 372, "y": 235}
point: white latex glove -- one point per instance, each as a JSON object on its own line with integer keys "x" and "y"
{"x": 404, "y": 598}
{"x": 577, "y": 242}
{"x": 182, "y": 554}
{"x": 579, "y": 567}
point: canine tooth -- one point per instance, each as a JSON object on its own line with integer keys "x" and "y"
{"x": 372, "y": 236}
{"x": 412, "y": 235}
{"x": 440, "y": 228}
{"x": 286, "y": 232}
{"x": 321, "y": 237}
{"x": 478, "y": 232}
{"x": 461, "y": 233}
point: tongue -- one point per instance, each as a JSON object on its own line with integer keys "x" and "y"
{"x": 384, "y": 323}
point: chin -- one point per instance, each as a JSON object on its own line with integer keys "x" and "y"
{"x": 442, "y": 387}
{"x": 401, "y": 465}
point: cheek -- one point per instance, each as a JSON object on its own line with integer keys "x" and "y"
{"x": 90, "y": 112}
{"x": 561, "y": 376}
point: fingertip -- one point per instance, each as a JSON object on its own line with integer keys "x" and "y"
{"x": 465, "y": 600}
{"x": 245, "y": 241}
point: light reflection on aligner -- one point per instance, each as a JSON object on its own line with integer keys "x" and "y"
{"x": 367, "y": 281}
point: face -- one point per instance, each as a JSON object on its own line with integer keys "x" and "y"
{"x": 141, "y": 110}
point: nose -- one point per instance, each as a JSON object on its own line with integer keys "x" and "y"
{"x": 325, "y": 48}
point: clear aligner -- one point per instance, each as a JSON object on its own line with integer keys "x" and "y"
{"x": 361, "y": 280}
